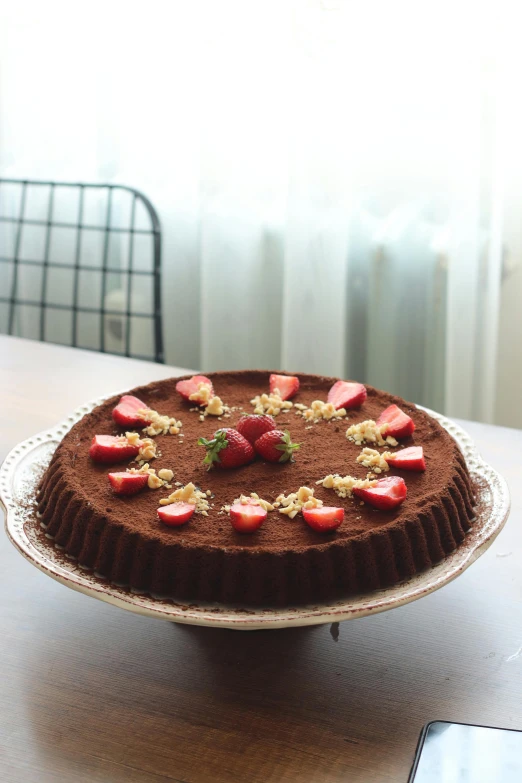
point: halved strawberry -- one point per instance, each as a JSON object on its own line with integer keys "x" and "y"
{"x": 126, "y": 483}
{"x": 126, "y": 412}
{"x": 324, "y": 519}
{"x": 227, "y": 448}
{"x": 345, "y": 394}
{"x": 388, "y": 493}
{"x": 398, "y": 423}
{"x": 254, "y": 425}
{"x": 189, "y": 387}
{"x": 411, "y": 458}
{"x": 288, "y": 385}
{"x": 247, "y": 517}
{"x": 109, "y": 448}
{"x": 176, "y": 513}
{"x": 276, "y": 446}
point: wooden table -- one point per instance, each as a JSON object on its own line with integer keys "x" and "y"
{"x": 93, "y": 693}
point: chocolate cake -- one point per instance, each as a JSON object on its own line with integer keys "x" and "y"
{"x": 285, "y": 561}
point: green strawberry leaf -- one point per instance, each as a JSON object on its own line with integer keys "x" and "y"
{"x": 288, "y": 448}
{"x": 213, "y": 447}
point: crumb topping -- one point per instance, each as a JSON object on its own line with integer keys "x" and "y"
{"x": 148, "y": 450}
{"x": 213, "y": 405}
{"x": 203, "y": 394}
{"x": 319, "y": 410}
{"x": 158, "y": 424}
{"x": 270, "y": 403}
{"x": 154, "y": 481}
{"x": 343, "y": 485}
{"x": 373, "y": 459}
{"x": 254, "y": 500}
{"x": 189, "y": 494}
{"x": 369, "y": 432}
{"x": 131, "y": 437}
{"x": 292, "y": 504}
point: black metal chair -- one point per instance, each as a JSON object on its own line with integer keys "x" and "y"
{"x": 80, "y": 264}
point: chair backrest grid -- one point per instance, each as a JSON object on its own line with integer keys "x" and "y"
{"x": 18, "y": 240}
{"x": 130, "y": 275}
{"x": 77, "y": 254}
{"x": 16, "y": 300}
{"x": 46, "y": 263}
{"x": 105, "y": 266}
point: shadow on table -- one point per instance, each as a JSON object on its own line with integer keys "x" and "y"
{"x": 110, "y": 696}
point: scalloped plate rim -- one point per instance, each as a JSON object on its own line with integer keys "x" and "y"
{"x": 223, "y": 616}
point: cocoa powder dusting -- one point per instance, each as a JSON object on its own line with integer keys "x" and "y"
{"x": 325, "y": 449}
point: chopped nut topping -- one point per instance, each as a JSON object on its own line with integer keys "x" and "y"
{"x": 254, "y": 500}
{"x": 154, "y": 481}
{"x": 189, "y": 494}
{"x": 293, "y": 503}
{"x": 148, "y": 450}
{"x": 369, "y": 432}
{"x": 158, "y": 424}
{"x": 132, "y": 437}
{"x": 320, "y": 410}
{"x": 343, "y": 485}
{"x": 270, "y": 403}
{"x": 213, "y": 405}
{"x": 203, "y": 394}
{"x": 371, "y": 458}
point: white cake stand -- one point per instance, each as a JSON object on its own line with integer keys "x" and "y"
{"x": 25, "y": 464}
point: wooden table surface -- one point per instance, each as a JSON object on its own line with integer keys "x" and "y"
{"x": 90, "y": 693}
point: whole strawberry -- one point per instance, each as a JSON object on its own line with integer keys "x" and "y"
{"x": 254, "y": 425}
{"x": 228, "y": 449}
{"x": 276, "y": 446}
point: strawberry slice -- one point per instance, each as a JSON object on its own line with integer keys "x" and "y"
{"x": 247, "y": 517}
{"x": 288, "y": 385}
{"x": 126, "y": 483}
{"x": 253, "y": 425}
{"x": 176, "y": 513}
{"x": 399, "y": 424}
{"x": 388, "y": 493}
{"x": 126, "y": 412}
{"x": 411, "y": 458}
{"x": 324, "y": 519}
{"x": 345, "y": 394}
{"x": 189, "y": 387}
{"x": 109, "y": 448}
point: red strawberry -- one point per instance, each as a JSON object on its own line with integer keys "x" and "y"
{"x": 254, "y": 425}
{"x": 247, "y": 517}
{"x": 399, "y": 424}
{"x": 126, "y": 412}
{"x": 388, "y": 493}
{"x": 228, "y": 449}
{"x": 408, "y": 459}
{"x": 345, "y": 394}
{"x": 176, "y": 513}
{"x": 108, "y": 448}
{"x": 276, "y": 446}
{"x": 324, "y": 519}
{"x": 189, "y": 387}
{"x": 288, "y": 385}
{"x": 126, "y": 483}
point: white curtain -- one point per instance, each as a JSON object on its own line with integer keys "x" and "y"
{"x": 331, "y": 177}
